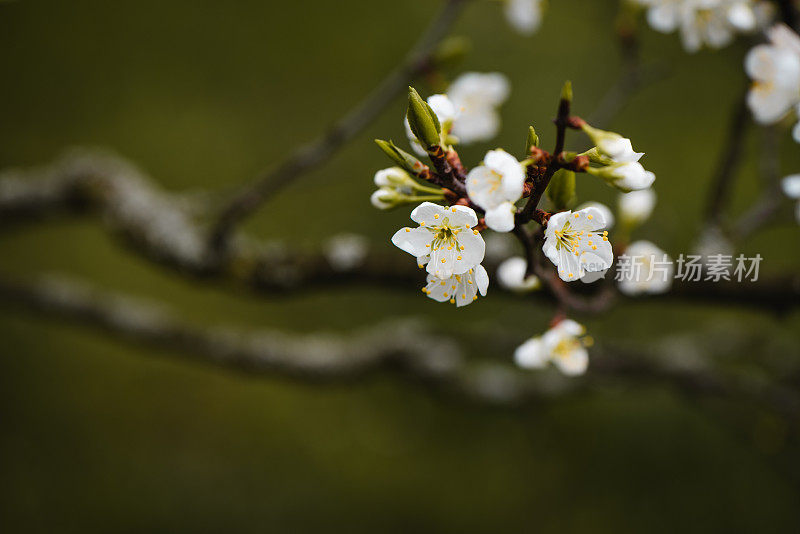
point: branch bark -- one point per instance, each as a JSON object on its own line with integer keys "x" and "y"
{"x": 318, "y": 151}
{"x": 166, "y": 228}
{"x": 407, "y": 347}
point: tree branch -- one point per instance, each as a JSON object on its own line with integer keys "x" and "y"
{"x": 317, "y": 152}
{"x": 167, "y": 228}
{"x": 405, "y": 346}
{"x": 728, "y": 165}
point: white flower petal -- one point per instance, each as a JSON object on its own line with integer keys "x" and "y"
{"x": 531, "y": 354}
{"x": 574, "y": 363}
{"x": 413, "y": 240}
{"x": 791, "y": 186}
{"x": 501, "y": 218}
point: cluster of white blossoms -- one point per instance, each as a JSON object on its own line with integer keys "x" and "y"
{"x": 712, "y": 23}
{"x": 469, "y": 109}
{"x": 775, "y": 70}
{"x": 448, "y": 243}
{"x": 564, "y": 345}
{"x": 453, "y": 206}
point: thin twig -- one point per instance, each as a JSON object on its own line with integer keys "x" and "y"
{"x": 314, "y": 154}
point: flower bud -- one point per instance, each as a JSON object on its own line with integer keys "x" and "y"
{"x": 566, "y": 91}
{"x": 401, "y": 157}
{"x": 635, "y": 207}
{"x": 512, "y": 276}
{"x": 532, "y": 141}
{"x": 394, "y": 177}
{"x": 626, "y": 177}
{"x": 385, "y": 198}
{"x": 612, "y": 145}
{"x": 450, "y": 52}
{"x": 423, "y": 121}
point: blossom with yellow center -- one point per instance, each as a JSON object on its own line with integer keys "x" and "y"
{"x": 444, "y": 240}
{"x": 564, "y": 345}
{"x": 576, "y": 243}
{"x": 459, "y": 289}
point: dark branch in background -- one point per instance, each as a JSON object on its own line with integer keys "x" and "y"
{"x": 727, "y": 168}
{"x": 164, "y": 228}
{"x": 766, "y": 208}
{"x": 314, "y": 154}
{"x": 405, "y": 346}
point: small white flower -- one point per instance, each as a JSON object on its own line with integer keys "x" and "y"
{"x": 576, "y": 244}
{"x": 775, "y": 70}
{"x": 564, "y": 345}
{"x": 444, "y": 239}
{"x": 791, "y": 188}
{"x": 635, "y": 207}
{"x": 625, "y": 176}
{"x": 525, "y": 16}
{"x": 495, "y": 186}
{"x": 445, "y": 111}
{"x": 653, "y": 271}
{"x": 346, "y": 251}
{"x": 459, "y": 289}
{"x": 511, "y": 275}
{"x": 476, "y": 97}
{"x": 608, "y": 215}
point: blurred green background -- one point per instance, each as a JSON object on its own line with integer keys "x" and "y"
{"x": 99, "y": 435}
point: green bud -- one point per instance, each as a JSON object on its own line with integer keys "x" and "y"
{"x": 423, "y": 121}
{"x": 533, "y": 140}
{"x": 566, "y": 91}
{"x": 561, "y": 190}
{"x": 451, "y": 51}
{"x": 401, "y": 157}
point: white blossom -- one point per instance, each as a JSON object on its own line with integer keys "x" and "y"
{"x": 635, "y": 207}
{"x": 564, "y": 345}
{"x": 791, "y": 188}
{"x": 445, "y": 111}
{"x": 445, "y": 239}
{"x": 459, "y": 289}
{"x": 705, "y": 22}
{"x": 775, "y": 70}
{"x": 476, "y": 97}
{"x": 651, "y": 272}
{"x": 495, "y": 186}
{"x": 511, "y": 275}
{"x": 525, "y": 16}
{"x": 576, "y": 243}
{"x": 346, "y": 251}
